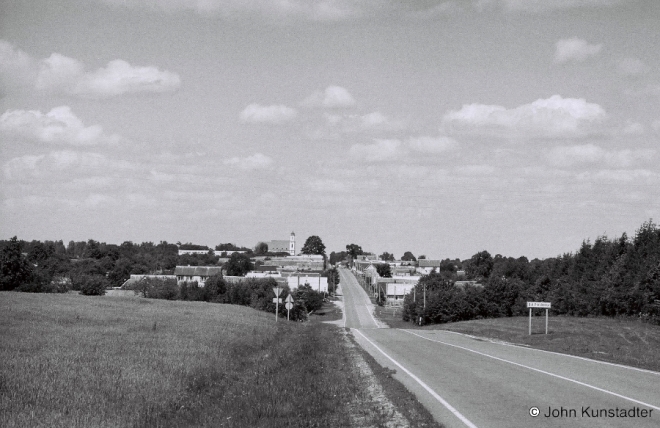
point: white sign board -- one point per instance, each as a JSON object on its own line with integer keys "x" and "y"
{"x": 288, "y": 306}
{"x": 537, "y": 305}
{"x": 289, "y": 299}
{"x": 543, "y": 305}
{"x": 277, "y": 291}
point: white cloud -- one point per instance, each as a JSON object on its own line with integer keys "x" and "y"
{"x": 56, "y": 164}
{"x": 58, "y": 126}
{"x": 568, "y": 156}
{"x": 256, "y": 161}
{"x": 380, "y": 150}
{"x": 538, "y": 6}
{"x": 548, "y": 118}
{"x": 331, "y": 97}
{"x": 475, "y": 170}
{"x": 319, "y": 10}
{"x": 327, "y": 185}
{"x": 255, "y": 113}
{"x": 433, "y": 144}
{"x": 17, "y": 69}
{"x": 575, "y": 50}
{"x": 119, "y": 77}
{"x": 63, "y": 75}
{"x": 632, "y": 128}
{"x": 632, "y": 67}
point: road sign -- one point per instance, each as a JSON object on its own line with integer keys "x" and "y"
{"x": 541, "y": 305}
{"x": 288, "y": 306}
{"x": 277, "y": 300}
{"x": 277, "y": 291}
{"x": 544, "y": 305}
{"x": 289, "y": 299}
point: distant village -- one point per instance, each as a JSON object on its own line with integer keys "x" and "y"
{"x": 287, "y": 266}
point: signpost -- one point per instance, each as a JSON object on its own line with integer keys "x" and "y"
{"x": 288, "y": 305}
{"x": 540, "y": 305}
{"x": 277, "y": 300}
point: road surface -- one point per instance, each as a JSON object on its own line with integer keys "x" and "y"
{"x": 471, "y": 382}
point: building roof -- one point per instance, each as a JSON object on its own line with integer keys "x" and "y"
{"x": 428, "y": 263}
{"x": 197, "y": 270}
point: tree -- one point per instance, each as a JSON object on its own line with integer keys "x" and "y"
{"x": 408, "y": 257}
{"x": 422, "y": 257}
{"x": 238, "y": 265}
{"x": 354, "y": 250}
{"x": 387, "y": 257}
{"x": 313, "y": 245}
{"x": 384, "y": 270}
{"x": 261, "y": 249}
{"x": 337, "y": 257}
{"x": 14, "y": 268}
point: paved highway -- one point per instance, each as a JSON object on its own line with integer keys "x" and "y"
{"x": 471, "y": 382}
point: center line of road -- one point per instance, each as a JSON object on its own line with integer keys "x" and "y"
{"x": 538, "y": 370}
{"x": 435, "y": 395}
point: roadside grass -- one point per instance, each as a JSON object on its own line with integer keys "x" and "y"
{"x": 82, "y": 361}
{"x": 617, "y": 340}
{"x": 328, "y": 312}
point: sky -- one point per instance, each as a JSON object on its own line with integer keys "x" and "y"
{"x": 520, "y": 127}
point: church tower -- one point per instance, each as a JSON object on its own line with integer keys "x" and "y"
{"x": 292, "y": 244}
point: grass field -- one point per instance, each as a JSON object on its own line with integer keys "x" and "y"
{"x": 79, "y": 361}
{"x": 617, "y": 340}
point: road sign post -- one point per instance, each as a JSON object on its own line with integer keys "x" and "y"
{"x": 288, "y": 305}
{"x": 277, "y": 300}
{"x": 540, "y": 305}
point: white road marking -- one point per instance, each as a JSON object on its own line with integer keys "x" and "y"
{"x": 435, "y": 395}
{"x": 552, "y": 352}
{"x": 538, "y": 370}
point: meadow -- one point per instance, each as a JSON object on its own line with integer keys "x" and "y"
{"x": 69, "y": 360}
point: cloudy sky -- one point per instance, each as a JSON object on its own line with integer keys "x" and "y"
{"x": 441, "y": 127}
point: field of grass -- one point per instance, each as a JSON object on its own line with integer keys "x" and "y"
{"x": 83, "y": 361}
{"x": 618, "y": 340}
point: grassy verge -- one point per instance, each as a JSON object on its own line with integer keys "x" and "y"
{"x": 616, "y": 340}
{"x": 77, "y": 361}
{"x": 328, "y": 312}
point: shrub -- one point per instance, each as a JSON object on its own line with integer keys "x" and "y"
{"x": 92, "y": 285}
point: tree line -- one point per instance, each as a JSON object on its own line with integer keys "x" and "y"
{"x": 609, "y": 277}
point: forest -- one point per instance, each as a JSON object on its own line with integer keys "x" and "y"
{"x": 607, "y": 277}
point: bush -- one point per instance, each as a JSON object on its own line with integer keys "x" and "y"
{"x": 92, "y": 285}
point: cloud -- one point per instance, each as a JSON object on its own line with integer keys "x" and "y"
{"x": 327, "y": 185}
{"x": 17, "y": 68}
{"x": 544, "y": 118}
{"x": 58, "y": 164}
{"x": 540, "y": 6}
{"x": 433, "y": 144}
{"x": 255, "y": 113}
{"x": 574, "y": 50}
{"x": 475, "y": 170}
{"x": 119, "y": 77}
{"x": 318, "y": 10}
{"x": 632, "y": 67}
{"x": 331, "y": 97}
{"x": 380, "y": 150}
{"x": 63, "y": 75}
{"x": 632, "y": 128}
{"x": 254, "y": 162}
{"x": 58, "y": 126}
{"x": 568, "y": 156}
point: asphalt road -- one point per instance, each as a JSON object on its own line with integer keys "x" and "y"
{"x": 466, "y": 381}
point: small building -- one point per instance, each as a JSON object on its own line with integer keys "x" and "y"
{"x": 462, "y": 284}
{"x": 135, "y": 278}
{"x": 195, "y": 273}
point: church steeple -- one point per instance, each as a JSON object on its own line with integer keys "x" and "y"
{"x": 292, "y": 244}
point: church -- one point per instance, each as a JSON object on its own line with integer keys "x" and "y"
{"x": 283, "y": 246}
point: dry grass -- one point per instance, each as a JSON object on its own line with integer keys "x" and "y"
{"x": 77, "y": 361}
